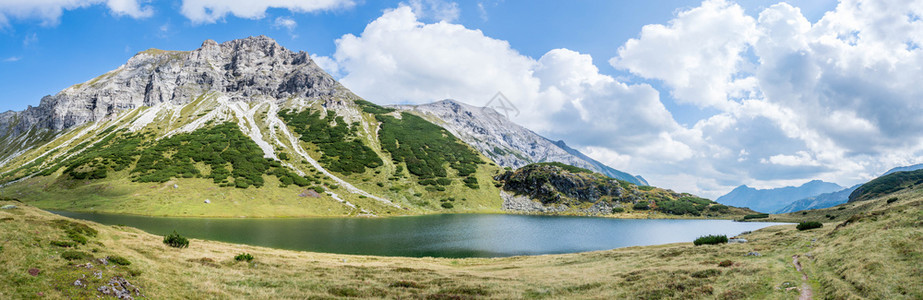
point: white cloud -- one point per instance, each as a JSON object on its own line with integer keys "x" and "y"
{"x": 30, "y": 40}
{"x": 285, "y": 22}
{"x": 328, "y": 64}
{"x": 210, "y": 11}
{"x": 12, "y": 59}
{"x": 49, "y": 11}
{"x": 697, "y": 55}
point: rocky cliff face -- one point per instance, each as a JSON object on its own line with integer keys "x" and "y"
{"x": 242, "y": 69}
{"x": 507, "y": 143}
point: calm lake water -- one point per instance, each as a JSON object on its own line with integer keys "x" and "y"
{"x": 454, "y": 236}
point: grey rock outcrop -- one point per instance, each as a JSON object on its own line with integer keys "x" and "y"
{"x": 505, "y": 142}
{"x": 245, "y": 68}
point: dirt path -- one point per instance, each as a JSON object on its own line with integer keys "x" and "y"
{"x": 806, "y": 292}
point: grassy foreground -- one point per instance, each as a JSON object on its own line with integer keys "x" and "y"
{"x": 876, "y": 254}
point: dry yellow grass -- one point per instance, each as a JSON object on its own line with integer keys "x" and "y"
{"x": 876, "y": 256}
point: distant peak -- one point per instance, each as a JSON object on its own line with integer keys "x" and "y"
{"x": 209, "y": 43}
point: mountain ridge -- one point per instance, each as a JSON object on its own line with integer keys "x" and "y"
{"x": 771, "y": 200}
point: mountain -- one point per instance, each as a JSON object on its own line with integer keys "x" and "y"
{"x": 836, "y": 198}
{"x": 770, "y": 200}
{"x": 564, "y": 189}
{"x": 887, "y": 184}
{"x": 820, "y": 201}
{"x": 241, "y": 128}
{"x": 507, "y": 143}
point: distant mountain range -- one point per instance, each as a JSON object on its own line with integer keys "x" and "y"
{"x": 836, "y": 198}
{"x": 507, "y": 143}
{"x": 771, "y": 200}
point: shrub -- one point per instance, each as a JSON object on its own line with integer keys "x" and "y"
{"x": 719, "y": 208}
{"x": 75, "y": 255}
{"x": 645, "y": 188}
{"x": 64, "y": 244}
{"x": 407, "y": 284}
{"x": 711, "y": 240}
{"x": 892, "y": 200}
{"x": 344, "y": 291}
{"x": 447, "y": 205}
{"x": 176, "y": 241}
{"x": 244, "y": 257}
{"x": 641, "y": 206}
{"x": 725, "y": 263}
{"x": 118, "y": 260}
{"x": 809, "y": 225}
{"x": 618, "y": 210}
{"x": 756, "y": 216}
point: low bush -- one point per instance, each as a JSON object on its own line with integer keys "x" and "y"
{"x": 64, "y": 244}
{"x": 618, "y": 210}
{"x": 725, "y": 263}
{"x": 75, "y": 255}
{"x": 809, "y": 225}
{"x": 244, "y": 257}
{"x": 176, "y": 241}
{"x": 447, "y": 205}
{"x": 711, "y": 240}
{"x": 407, "y": 284}
{"x": 892, "y": 200}
{"x": 756, "y": 216}
{"x": 118, "y": 260}
{"x": 641, "y": 206}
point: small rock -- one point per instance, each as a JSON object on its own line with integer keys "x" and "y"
{"x": 207, "y": 201}
{"x": 8, "y": 206}
{"x": 736, "y": 240}
{"x": 175, "y": 186}
{"x": 79, "y": 283}
{"x": 754, "y": 253}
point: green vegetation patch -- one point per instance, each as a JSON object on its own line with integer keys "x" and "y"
{"x": 756, "y": 216}
{"x": 886, "y": 185}
{"x": 176, "y": 241}
{"x": 684, "y": 205}
{"x": 426, "y": 148}
{"x": 342, "y": 151}
{"x": 711, "y": 240}
{"x": 809, "y": 225}
{"x": 566, "y": 167}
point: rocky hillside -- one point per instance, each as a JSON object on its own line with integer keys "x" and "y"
{"x": 241, "y": 128}
{"x": 560, "y": 188}
{"x": 507, "y": 143}
{"x": 770, "y": 200}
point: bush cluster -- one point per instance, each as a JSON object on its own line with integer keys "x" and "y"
{"x": 342, "y": 150}
{"x": 756, "y": 216}
{"x": 809, "y": 225}
{"x": 244, "y": 257}
{"x": 426, "y": 148}
{"x": 711, "y": 240}
{"x": 118, "y": 260}
{"x": 683, "y": 205}
{"x": 176, "y": 241}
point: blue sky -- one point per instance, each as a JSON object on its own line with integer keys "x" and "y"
{"x": 698, "y": 96}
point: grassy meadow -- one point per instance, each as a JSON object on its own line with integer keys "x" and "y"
{"x": 871, "y": 254}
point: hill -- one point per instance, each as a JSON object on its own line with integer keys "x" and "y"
{"x": 820, "y": 201}
{"x": 887, "y": 184}
{"x": 770, "y": 200}
{"x": 241, "y": 128}
{"x": 505, "y": 142}
{"x": 563, "y": 189}
{"x": 870, "y": 253}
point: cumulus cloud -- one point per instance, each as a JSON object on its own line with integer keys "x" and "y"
{"x": 210, "y": 11}
{"x": 697, "y": 55}
{"x": 49, "y": 11}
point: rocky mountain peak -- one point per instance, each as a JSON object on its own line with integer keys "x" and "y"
{"x": 250, "y": 69}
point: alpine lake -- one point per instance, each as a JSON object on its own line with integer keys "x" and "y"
{"x": 449, "y": 236}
